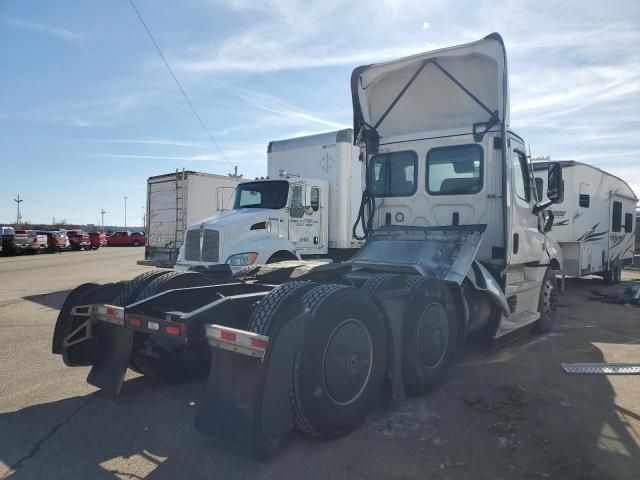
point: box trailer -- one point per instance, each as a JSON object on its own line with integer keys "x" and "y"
{"x": 175, "y": 200}
{"x": 594, "y": 224}
{"x": 456, "y": 245}
{"x": 305, "y": 208}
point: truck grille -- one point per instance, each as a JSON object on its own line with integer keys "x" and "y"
{"x": 192, "y": 245}
{"x": 210, "y": 246}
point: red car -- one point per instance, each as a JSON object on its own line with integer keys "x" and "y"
{"x": 79, "y": 240}
{"x": 97, "y": 240}
{"x": 126, "y": 238}
{"x": 56, "y": 241}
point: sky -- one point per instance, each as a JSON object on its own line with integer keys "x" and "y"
{"x": 88, "y": 110}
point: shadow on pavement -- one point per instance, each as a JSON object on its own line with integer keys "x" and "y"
{"x": 52, "y": 300}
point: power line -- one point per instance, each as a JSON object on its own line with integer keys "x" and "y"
{"x": 179, "y": 85}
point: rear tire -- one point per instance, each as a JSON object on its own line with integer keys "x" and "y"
{"x": 429, "y": 336}
{"x": 548, "y": 303}
{"x": 342, "y": 361}
{"x": 275, "y": 303}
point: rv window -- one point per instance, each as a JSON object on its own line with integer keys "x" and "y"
{"x": 616, "y": 217}
{"x": 539, "y": 189}
{"x": 455, "y": 170}
{"x": 296, "y": 209}
{"x": 520, "y": 176}
{"x": 393, "y": 174}
{"x": 315, "y": 198}
{"x": 584, "y": 200}
{"x": 628, "y": 222}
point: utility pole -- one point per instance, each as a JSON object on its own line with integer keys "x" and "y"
{"x": 144, "y": 218}
{"x": 19, "y": 216}
{"x": 102, "y": 212}
{"x": 125, "y": 212}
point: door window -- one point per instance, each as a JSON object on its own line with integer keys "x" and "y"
{"x": 520, "y": 171}
{"x": 616, "y": 217}
{"x": 393, "y": 174}
{"x": 455, "y": 170}
{"x": 296, "y": 208}
{"x": 315, "y": 198}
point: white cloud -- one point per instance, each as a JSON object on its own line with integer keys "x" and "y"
{"x": 425, "y": 25}
{"x": 61, "y": 33}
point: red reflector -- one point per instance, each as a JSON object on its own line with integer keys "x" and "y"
{"x": 134, "y": 322}
{"x": 172, "y": 330}
{"x": 111, "y": 312}
{"x": 230, "y": 336}
{"x": 259, "y": 343}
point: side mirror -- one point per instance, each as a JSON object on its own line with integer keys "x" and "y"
{"x": 555, "y": 184}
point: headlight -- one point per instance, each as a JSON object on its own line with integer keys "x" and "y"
{"x": 242, "y": 259}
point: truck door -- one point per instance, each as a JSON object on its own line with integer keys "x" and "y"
{"x": 305, "y": 220}
{"x": 526, "y": 242}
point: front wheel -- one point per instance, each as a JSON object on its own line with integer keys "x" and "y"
{"x": 136, "y": 243}
{"x": 548, "y": 303}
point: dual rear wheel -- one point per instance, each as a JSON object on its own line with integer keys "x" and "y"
{"x": 341, "y": 363}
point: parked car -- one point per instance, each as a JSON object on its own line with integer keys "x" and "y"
{"x": 29, "y": 241}
{"x": 56, "y": 241}
{"x": 97, "y": 240}
{"x": 7, "y": 244}
{"x": 126, "y": 238}
{"x": 79, "y": 240}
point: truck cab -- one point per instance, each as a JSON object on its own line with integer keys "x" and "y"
{"x": 272, "y": 220}
{"x": 441, "y": 154}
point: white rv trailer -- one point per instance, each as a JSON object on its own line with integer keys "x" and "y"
{"x": 594, "y": 224}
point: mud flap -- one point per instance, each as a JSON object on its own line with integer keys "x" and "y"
{"x": 114, "y": 346}
{"x": 75, "y": 337}
{"x": 247, "y": 399}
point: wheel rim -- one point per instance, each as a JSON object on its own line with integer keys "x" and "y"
{"x": 433, "y": 335}
{"x": 347, "y": 361}
{"x": 549, "y": 299}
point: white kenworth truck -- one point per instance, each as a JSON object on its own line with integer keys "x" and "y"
{"x": 304, "y": 208}
{"x": 594, "y": 224}
{"x": 456, "y": 245}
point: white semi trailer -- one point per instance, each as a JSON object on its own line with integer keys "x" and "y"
{"x": 175, "y": 200}
{"x": 304, "y": 208}
{"x": 456, "y": 245}
{"x": 594, "y": 223}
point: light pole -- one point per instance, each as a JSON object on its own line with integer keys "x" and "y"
{"x": 125, "y": 212}
{"x": 102, "y": 212}
{"x": 18, "y": 217}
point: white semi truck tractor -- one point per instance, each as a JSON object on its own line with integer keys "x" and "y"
{"x": 304, "y": 208}
{"x": 456, "y": 245}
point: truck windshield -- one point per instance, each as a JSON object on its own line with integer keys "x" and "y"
{"x": 262, "y": 195}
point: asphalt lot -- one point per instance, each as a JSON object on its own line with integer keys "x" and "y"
{"x": 509, "y": 413}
